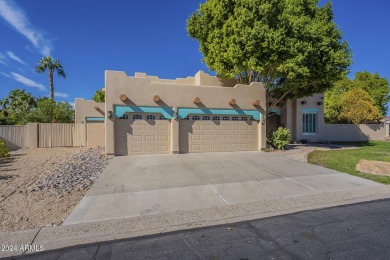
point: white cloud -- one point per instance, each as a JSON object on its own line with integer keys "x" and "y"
{"x": 2, "y": 59}
{"x": 72, "y": 104}
{"x": 17, "y": 18}
{"x": 60, "y": 94}
{"x": 15, "y": 58}
{"x": 26, "y": 81}
{"x": 5, "y": 75}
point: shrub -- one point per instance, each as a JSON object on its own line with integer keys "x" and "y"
{"x": 4, "y": 151}
{"x": 279, "y": 138}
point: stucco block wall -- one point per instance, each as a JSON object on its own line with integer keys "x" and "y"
{"x": 86, "y": 108}
{"x": 212, "y": 92}
{"x": 352, "y": 132}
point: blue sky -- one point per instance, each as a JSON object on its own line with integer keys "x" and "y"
{"x": 91, "y": 36}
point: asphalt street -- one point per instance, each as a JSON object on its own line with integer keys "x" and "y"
{"x": 358, "y": 231}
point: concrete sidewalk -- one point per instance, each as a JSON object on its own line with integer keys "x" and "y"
{"x": 134, "y": 186}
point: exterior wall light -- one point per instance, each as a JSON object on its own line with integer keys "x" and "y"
{"x": 109, "y": 114}
{"x": 319, "y": 103}
{"x": 303, "y": 102}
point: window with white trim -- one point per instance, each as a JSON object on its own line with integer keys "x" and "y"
{"x": 186, "y": 118}
{"x": 162, "y": 117}
{"x": 195, "y": 117}
{"x": 252, "y": 119}
{"x": 225, "y": 118}
{"x": 137, "y": 117}
{"x": 309, "y": 123}
{"x": 206, "y": 118}
{"x": 124, "y": 116}
{"x": 234, "y": 118}
{"x": 150, "y": 117}
{"x": 244, "y": 118}
{"x": 216, "y": 118}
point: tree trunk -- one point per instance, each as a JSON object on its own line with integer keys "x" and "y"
{"x": 51, "y": 85}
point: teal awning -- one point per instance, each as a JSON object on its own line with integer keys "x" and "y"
{"x": 167, "y": 112}
{"x": 184, "y": 112}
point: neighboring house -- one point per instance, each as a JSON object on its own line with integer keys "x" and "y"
{"x": 147, "y": 115}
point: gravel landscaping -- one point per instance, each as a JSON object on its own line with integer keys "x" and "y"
{"x": 41, "y": 186}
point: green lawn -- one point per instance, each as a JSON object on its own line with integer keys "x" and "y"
{"x": 346, "y": 160}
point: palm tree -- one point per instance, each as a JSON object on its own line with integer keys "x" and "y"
{"x": 46, "y": 63}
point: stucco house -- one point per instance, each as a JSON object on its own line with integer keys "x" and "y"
{"x": 148, "y": 115}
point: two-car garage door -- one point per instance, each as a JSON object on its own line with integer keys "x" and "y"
{"x": 214, "y": 133}
{"x": 151, "y": 134}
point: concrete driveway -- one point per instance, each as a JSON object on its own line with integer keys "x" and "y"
{"x": 151, "y": 184}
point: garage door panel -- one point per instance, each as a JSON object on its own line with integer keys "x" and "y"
{"x": 206, "y": 137}
{"x": 195, "y": 137}
{"x": 214, "y": 136}
{"x": 195, "y": 147}
{"x": 137, "y": 138}
{"x": 137, "y": 127}
{"x": 150, "y": 138}
{"x": 163, "y": 127}
{"x": 163, "y": 138}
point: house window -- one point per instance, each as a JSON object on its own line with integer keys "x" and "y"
{"x": 252, "y": 119}
{"x": 186, "y": 118}
{"x": 124, "y": 117}
{"x": 195, "y": 117}
{"x": 226, "y": 118}
{"x": 309, "y": 123}
{"x": 162, "y": 117}
{"x": 206, "y": 118}
{"x": 235, "y": 118}
{"x": 216, "y": 118}
{"x": 150, "y": 117}
{"x": 137, "y": 117}
{"x": 244, "y": 118}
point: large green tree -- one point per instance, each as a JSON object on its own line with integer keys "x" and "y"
{"x": 376, "y": 86}
{"x": 20, "y": 105}
{"x": 358, "y": 107}
{"x": 99, "y": 96}
{"x": 4, "y": 103}
{"x": 46, "y": 63}
{"x": 292, "y": 46}
{"x": 49, "y": 111}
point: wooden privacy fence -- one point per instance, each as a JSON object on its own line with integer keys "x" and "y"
{"x": 43, "y": 135}
{"x": 14, "y": 136}
{"x": 61, "y": 135}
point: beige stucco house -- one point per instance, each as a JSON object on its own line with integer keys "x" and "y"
{"x": 148, "y": 115}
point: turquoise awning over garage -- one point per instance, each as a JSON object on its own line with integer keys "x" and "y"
{"x": 184, "y": 112}
{"x": 167, "y": 112}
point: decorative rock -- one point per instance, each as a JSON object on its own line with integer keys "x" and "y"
{"x": 79, "y": 172}
{"x": 374, "y": 167}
